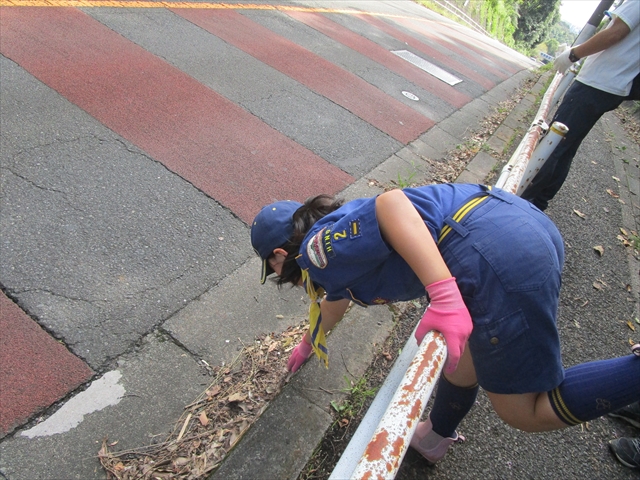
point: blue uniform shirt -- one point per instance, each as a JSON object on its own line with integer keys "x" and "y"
{"x": 345, "y": 254}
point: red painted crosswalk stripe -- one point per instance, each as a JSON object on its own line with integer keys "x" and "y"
{"x": 383, "y": 57}
{"x": 37, "y": 369}
{"x": 458, "y": 40}
{"x": 430, "y": 52}
{"x": 217, "y": 146}
{"x": 342, "y": 87}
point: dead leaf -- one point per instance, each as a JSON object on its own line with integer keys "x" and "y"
{"x": 344, "y": 422}
{"x": 624, "y": 232}
{"x": 579, "y": 213}
{"x": 236, "y": 397}
{"x": 631, "y": 326}
{"x": 204, "y": 420}
{"x": 178, "y": 462}
{"x": 624, "y": 241}
{"x": 597, "y": 286}
{"x": 612, "y": 193}
{"x": 599, "y": 249}
{"x": 615, "y": 178}
{"x": 213, "y": 391}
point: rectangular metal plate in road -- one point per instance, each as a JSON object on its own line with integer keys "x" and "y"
{"x": 428, "y": 67}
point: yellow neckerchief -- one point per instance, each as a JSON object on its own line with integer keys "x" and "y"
{"x": 318, "y": 340}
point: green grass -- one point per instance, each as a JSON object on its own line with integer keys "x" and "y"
{"x": 359, "y": 393}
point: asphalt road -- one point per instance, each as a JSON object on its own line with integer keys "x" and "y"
{"x": 138, "y": 143}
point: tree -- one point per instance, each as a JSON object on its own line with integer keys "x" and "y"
{"x": 552, "y": 46}
{"x": 563, "y": 33}
{"x": 535, "y": 19}
{"x": 499, "y": 17}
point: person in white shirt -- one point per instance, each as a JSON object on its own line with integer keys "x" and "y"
{"x": 604, "y": 82}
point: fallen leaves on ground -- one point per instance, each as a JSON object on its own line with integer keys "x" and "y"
{"x": 612, "y": 193}
{"x": 448, "y": 169}
{"x": 212, "y": 424}
{"x": 599, "y": 284}
{"x": 630, "y": 239}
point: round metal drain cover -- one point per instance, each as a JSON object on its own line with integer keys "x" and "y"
{"x": 410, "y": 96}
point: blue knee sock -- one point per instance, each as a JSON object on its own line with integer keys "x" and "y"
{"x": 593, "y": 389}
{"x": 450, "y": 406}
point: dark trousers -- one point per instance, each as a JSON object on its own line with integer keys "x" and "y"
{"x": 581, "y": 108}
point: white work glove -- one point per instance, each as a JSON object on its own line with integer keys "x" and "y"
{"x": 562, "y": 63}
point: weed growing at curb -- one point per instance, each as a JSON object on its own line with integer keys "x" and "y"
{"x": 350, "y": 412}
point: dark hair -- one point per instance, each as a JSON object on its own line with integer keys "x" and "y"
{"x": 310, "y": 212}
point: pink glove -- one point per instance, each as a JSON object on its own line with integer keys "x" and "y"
{"x": 447, "y": 314}
{"x": 299, "y": 355}
{"x": 562, "y": 62}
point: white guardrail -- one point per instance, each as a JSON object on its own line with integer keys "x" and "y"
{"x": 450, "y": 7}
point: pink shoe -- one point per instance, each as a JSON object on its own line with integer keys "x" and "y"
{"x": 431, "y": 445}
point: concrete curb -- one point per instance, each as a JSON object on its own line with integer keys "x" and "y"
{"x": 628, "y": 173}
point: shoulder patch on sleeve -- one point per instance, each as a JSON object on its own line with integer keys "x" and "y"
{"x": 315, "y": 250}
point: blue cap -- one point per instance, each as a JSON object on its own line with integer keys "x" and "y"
{"x": 271, "y": 229}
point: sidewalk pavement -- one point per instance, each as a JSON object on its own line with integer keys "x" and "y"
{"x": 281, "y": 442}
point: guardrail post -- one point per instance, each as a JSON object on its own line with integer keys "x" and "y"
{"x": 514, "y": 169}
{"x": 545, "y": 148}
